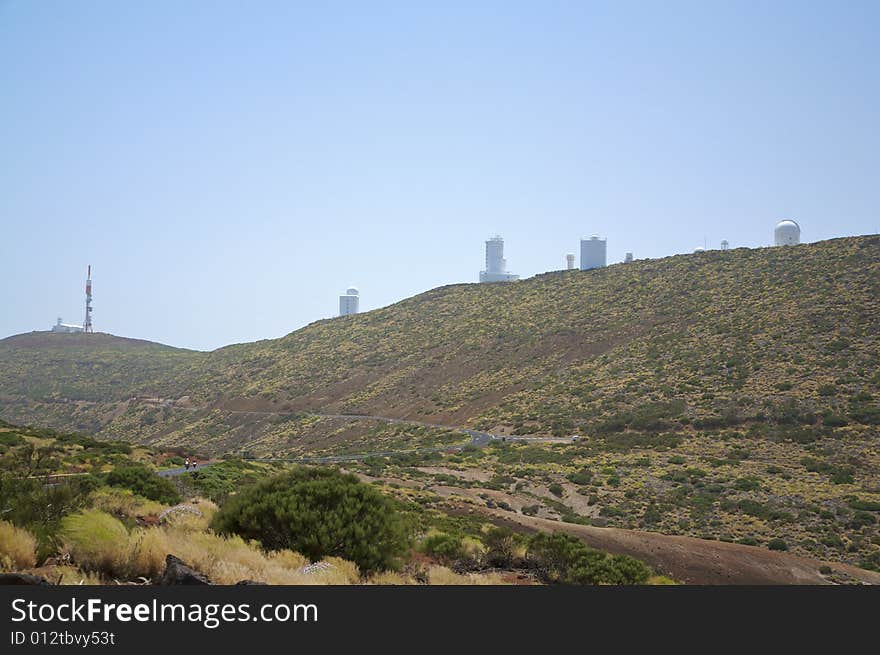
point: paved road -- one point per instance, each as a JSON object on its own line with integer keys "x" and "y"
{"x": 170, "y": 473}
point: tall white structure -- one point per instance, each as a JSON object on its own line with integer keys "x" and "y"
{"x": 725, "y": 245}
{"x": 628, "y": 258}
{"x": 787, "y": 233}
{"x": 348, "y": 303}
{"x": 569, "y": 262}
{"x": 87, "y": 323}
{"x": 593, "y": 253}
{"x": 66, "y": 327}
{"x": 496, "y": 265}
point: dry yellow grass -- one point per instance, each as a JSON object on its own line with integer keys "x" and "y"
{"x": 70, "y": 575}
{"x": 122, "y": 502}
{"x": 227, "y": 560}
{"x": 17, "y": 548}
{"x": 390, "y": 578}
{"x": 340, "y": 572}
{"x": 440, "y": 575}
{"x": 96, "y": 542}
{"x": 147, "y": 549}
{"x": 288, "y": 559}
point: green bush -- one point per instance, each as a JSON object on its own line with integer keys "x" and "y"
{"x": 27, "y": 503}
{"x": 861, "y": 518}
{"x": 445, "y": 547}
{"x": 563, "y": 559}
{"x": 501, "y": 546}
{"x": 319, "y": 513}
{"x": 581, "y": 477}
{"x": 747, "y": 484}
{"x": 10, "y": 439}
{"x": 777, "y": 544}
{"x": 867, "y": 505}
{"x": 143, "y": 482}
{"x": 224, "y": 478}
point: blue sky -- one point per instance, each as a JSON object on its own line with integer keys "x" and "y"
{"x": 229, "y": 168}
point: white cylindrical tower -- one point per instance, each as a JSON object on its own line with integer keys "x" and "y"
{"x": 496, "y": 265}
{"x": 787, "y": 233}
{"x": 495, "y": 255}
{"x": 593, "y": 253}
{"x": 725, "y": 245}
{"x": 628, "y": 258}
{"x": 569, "y": 262}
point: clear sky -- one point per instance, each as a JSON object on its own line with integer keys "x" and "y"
{"x": 229, "y": 168}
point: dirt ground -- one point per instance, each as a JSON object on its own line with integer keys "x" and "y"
{"x": 686, "y": 559}
{"x": 699, "y": 561}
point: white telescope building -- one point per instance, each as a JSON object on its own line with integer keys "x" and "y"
{"x": 348, "y": 303}
{"x": 787, "y": 233}
{"x": 593, "y": 253}
{"x": 496, "y": 265}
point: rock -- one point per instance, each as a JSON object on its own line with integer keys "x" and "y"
{"x": 23, "y": 579}
{"x": 248, "y": 583}
{"x": 178, "y": 573}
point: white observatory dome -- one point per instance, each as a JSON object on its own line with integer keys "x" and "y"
{"x": 787, "y": 233}
{"x": 699, "y": 249}
{"x": 352, "y": 291}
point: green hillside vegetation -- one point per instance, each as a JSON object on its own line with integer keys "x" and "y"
{"x": 729, "y": 395}
{"x": 785, "y": 337}
{"x": 91, "y": 367}
{"x": 75, "y": 510}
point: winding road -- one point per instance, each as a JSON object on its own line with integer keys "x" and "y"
{"x": 477, "y": 438}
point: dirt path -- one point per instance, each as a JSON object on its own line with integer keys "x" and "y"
{"x": 696, "y": 561}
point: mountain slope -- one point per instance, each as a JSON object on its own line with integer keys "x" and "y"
{"x": 714, "y": 336}
{"x": 787, "y": 335}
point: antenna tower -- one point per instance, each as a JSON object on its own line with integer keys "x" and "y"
{"x": 87, "y": 323}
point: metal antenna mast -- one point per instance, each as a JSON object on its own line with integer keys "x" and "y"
{"x": 87, "y": 324}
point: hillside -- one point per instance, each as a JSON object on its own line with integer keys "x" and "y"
{"x": 716, "y": 338}
{"x": 82, "y": 381}
{"x": 711, "y": 337}
{"x": 729, "y": 395}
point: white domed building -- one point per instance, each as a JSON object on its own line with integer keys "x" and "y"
{"x": 787, "y": 233}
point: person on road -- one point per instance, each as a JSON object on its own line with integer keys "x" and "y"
{"x": 186, "y": 464}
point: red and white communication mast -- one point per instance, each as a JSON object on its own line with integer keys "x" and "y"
{"x": 87, "y": 324}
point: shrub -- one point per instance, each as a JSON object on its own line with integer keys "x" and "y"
{"x": 144, "y": 482}
{"x": 867, "y": 505}
{"x": 777, "y": 544}
{"x": 27, "y": 503}
{"x": 502, "y": 545}
{"x": 581, "y": 477}
{"x": 860, "y": 519}
{"x": 10, "y": 439}
{"x": 224, "y": 478}
{"x": 827, "y": 390}
{"x": 17, "y": 548}
{"x": 563, "y": 559}
{"x": 556, "y": 489}
{"x": 319, "y": 513}
{"x": 747, "y": 484}
{"x": 445, "y": 547}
